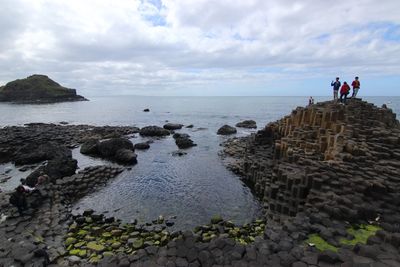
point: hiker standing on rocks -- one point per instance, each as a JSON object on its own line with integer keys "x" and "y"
{"x": 311, "y": 101}
{"x": 344, "y": 91}
{"x": 336, "y": 86}
{"x": 356, "y": 86}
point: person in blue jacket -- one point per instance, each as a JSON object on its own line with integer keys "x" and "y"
{"x": 336, "y": 86}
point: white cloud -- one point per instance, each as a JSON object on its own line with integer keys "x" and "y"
{"x": 182, "y": 46}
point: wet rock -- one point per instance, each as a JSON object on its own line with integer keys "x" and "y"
{"x": 226, "y": 130}
{"x": 173, "y": 126}
{"x": 154, "y": 131}
{"x": 109, "y": 148}
{"x": 90, "y": 147}
{"x": 179, "y": 153}
{"x": 146, "y": 110}
{"x": 142, "y": 146}
{"x": 183, "y": 141}
{"x": 247, "y": 124}
{"x": 125, "y": 156}
{"x": 95, "y": 247}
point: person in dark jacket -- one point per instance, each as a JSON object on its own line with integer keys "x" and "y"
{"x": 344, "y": 91}
{"x": 336, "y": 86}
{"x": 18, "y": 199}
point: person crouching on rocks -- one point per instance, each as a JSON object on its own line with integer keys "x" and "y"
{"x": 344, "y": 92}
{"x": 18, "y": 199}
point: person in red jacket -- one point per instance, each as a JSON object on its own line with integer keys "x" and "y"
{"x": 344, "y": 91}
{"x": 356, "y": 86}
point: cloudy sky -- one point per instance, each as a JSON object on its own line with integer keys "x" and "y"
{"x": 203, "y": 47}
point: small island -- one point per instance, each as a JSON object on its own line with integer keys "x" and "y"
{"x": 37, "y": 89}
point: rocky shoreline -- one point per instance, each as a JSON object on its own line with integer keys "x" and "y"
{"x": 327, "y": 173}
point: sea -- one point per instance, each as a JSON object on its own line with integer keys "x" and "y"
{"x": 189, "y": 189}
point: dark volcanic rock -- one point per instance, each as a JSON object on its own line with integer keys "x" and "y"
{"x": 37, "y": 89}
{"x": 34, "y": 153}
{"x": 143, "y": 146}
{"x": 110, "y": 147}
{"x": 90, "y": 146}
{"x": 226, "y": 130}
{"x": 247, "y": 124}
{"x": 173, "y": 126}
{"x": 153, "y": 131}
{"x": 125, "y": 156}
{"x": 118, "y": 149}
{"x": 183, "y": 141}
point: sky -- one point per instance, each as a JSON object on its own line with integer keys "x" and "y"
{"x": 203, "y": 47}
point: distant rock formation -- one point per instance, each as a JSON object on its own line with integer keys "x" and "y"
{"x": 37, "y": 89}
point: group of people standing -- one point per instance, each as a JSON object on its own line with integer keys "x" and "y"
{"x": 344, "y": 89}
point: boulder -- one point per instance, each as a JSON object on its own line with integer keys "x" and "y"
{"x": 125, "y": 156}
{"x": 143, "y": 146}
{"x": 60, "y": 167}
{"x": 90, "y": 146}
{"x": 183, "y": 141}
{"x": 250, "y": 124}
{"x": 110, "y": 147}
{"x": 226, "y": 130}
{"x": 173, "y": 126}
{"x": 153, "y": 131}
{"x": 146, "y": 110}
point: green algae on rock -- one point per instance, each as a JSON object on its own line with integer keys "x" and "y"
{"x": 320, "y": 243}
{"x": 93, "y": 239}
{"x": 360, "y": 234}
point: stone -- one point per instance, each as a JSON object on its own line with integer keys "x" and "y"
{"x": 226, "y": 130}
{"x": 359, "y": 261}
{"x": 173, "y": 126}
{"x": 153, "y": 131}
{"x": 90, "y": 146}
{"x": 247, "y": 124}
{"x": 328, "y": 257}
{"x": 299, "y": 264}
{"x": 70, "y": 240}
{"x": 95, "y": 247}
{"x": 142, "y": 146}
{"x": 136, "y": 243}
{"x": 74, "y": 259}
{"x": 181, "y": 262}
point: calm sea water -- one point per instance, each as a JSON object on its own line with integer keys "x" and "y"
{"x": 193, "y": 187}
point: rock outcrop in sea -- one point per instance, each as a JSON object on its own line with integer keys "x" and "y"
{"x": 37, "y": 89}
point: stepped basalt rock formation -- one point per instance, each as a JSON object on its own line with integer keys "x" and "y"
{"x": 339, "y": 159}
